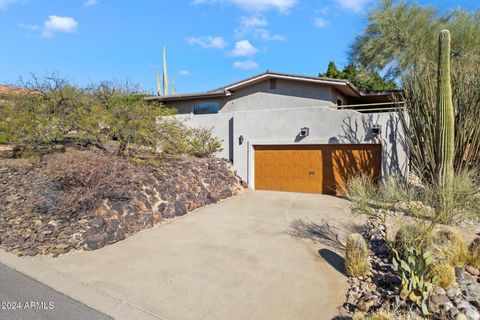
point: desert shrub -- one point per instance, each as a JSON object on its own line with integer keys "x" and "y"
{"x": 378, "y": 315}
{"x": 444, "y": 275}
{"x": 474, "y": 253}
{"x": 131, "y": 121}
{"x": 78, "y": 181}
{"x": 51, "y": 111}
{"x": 362, "y": 192}
{"x": 395, "y": 189}
{"x": 456, "y": 201}
{"x": 411, "y": 235}
{"x": 449, "y": 246}
{"x": 172, "y": 136}
{"x": 357, "y": 254}
{"x": 385, "y": 315}
{"x": 202, "y": 143}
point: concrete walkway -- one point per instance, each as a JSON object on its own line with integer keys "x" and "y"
{"x": 249, "y": 257}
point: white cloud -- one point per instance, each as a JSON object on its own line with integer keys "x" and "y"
{"x": 249, "y": 24}
{"x": 184, "y": 73}
{"x": 5, "y": 3}
{"x": 320, "y": 22}
{"x": 264, "y": 34}
{"x": 208, "y": 42}
{"x": 90, "y": 2}
{"x": 56, "y": 24}
{"x": 353, "y": 5}
{"x": 29, "y": 27}
{"x": 243, "y": 48}
{"x": 255, "y": 26}
{"x": 245, "y": 65}
{"x": 254, "y": 5}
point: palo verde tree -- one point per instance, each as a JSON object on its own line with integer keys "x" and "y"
{"x": 362, "y": 78}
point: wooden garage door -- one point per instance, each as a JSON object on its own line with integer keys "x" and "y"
{"x": 314, "y": 168}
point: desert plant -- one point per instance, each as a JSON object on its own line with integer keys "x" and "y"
{"x": 165, "y": 76}
{"x": 172, "y": 136}
{"x": 457, "y": 200}
{"x": 444, "y": 275}
{"x": 357, "y": 254}
{"x": 202, "y": 143}
{"x": 474, "y": 253}
{"x": 411, "y": 235}
{"x": 419, "y": 117}
{"x": 159, "y": 86}
{"x": 449, "y": 247}
{"x": 395, "y": 189}
{"x": 77, "y": 182}
{"x": 386, "y": 315}
{"x": 445, "y": 113}
{"x": 415, "y": 270}
{"x": 131, "y": 121}
{"x": 378, "y": 315}
{"x": 362, "y": 192}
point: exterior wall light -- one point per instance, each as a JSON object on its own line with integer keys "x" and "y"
{"x": 376, "y": 130}
{"x": 240, "y": 140}
{"x": 304, "y": 132}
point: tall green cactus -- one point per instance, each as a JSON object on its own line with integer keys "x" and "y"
{"x": 173, "y": 86}
{"x": 445, "y": 113}
{"x": 165, "y": 77}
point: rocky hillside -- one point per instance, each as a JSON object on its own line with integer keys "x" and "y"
{"x": 86, "y": 199}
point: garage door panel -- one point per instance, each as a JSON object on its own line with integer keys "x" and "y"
{"x": 314, "y": 168}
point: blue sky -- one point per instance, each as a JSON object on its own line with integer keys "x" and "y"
{"x": 210, "y": 43}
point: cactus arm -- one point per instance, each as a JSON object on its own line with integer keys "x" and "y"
{"x": 445, "y": 112}
{"x": 165, "y": 77}
{"x": 159, "y": 87}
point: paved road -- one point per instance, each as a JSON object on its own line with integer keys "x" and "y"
{"x": 38, "y": 301}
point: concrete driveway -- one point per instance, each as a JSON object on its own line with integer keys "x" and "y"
{"x": 260, "y": 255}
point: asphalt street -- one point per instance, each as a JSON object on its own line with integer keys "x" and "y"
{"x": 22, "y": 298}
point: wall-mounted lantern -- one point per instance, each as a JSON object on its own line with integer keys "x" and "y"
{"x": 240, "y": 140}
{"x": 376, "y": 129}
{"x": 304, "y": 132}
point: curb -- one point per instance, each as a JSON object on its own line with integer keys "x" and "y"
{"x": 114, "y": 307}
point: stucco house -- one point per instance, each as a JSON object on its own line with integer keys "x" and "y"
{"x": 298, "y": 133}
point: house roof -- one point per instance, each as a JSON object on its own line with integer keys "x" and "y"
{"x": 12, "y": 90}
{"x": 343, "y": 86}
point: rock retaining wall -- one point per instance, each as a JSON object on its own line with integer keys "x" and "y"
{"x": 180, "y": 186}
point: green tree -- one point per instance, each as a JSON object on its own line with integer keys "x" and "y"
{"x": 131, "y": 121}
{"x": 360, "y": 77}
{"x": 401, "y": 34}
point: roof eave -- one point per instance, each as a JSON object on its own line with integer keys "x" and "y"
{"x": 187, "y": 97}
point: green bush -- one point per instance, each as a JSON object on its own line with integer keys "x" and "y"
{"x": 202, "y": 143}
{"x": 357, "y": 255}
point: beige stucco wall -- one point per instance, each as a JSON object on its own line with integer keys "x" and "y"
{"x": 288, "y": 94}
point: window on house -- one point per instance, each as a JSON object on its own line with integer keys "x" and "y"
{"x": 208, "y": 107}
{"x": 273, "y": 84}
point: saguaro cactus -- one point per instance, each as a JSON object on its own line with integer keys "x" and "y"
{"x": 159, "y": 87}
{"x": 445, "y": 113}
{"x": 173, "y": 86}
{"x": 165, "y": 77}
